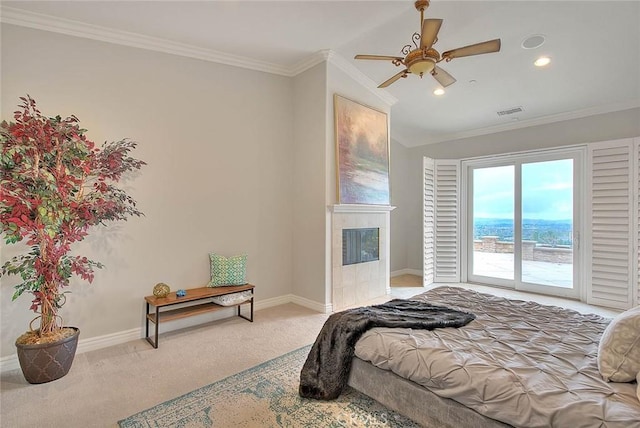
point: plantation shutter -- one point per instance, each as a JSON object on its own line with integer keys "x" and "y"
{"x": 428, "y": 231}
{"x": 610, "y": 279}
{"x": 446, "y": 239}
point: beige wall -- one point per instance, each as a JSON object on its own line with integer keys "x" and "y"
{"x": 218, "y": 141}
{"x": 603, "y": 127}
{"x": 239, "y": 161}
{"x": 401, "y": 199}
{"x": 309, "y": 183}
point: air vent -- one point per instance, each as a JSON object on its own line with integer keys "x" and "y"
{"x": 510, "y": 111}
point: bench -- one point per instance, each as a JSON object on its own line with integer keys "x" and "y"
{"x": 199, "y": 304}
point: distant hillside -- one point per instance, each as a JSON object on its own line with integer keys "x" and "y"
{"x": 549, "y": 232}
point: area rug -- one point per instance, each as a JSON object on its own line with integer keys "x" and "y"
{"x": 266, "y": 396}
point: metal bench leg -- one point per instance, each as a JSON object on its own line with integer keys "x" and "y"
{"x": 154, "y": 342}
{"x": 244, "y": 316}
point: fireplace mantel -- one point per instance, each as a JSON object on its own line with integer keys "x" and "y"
{"x": 354, "y": 208}
{"x": 356, "y": 284}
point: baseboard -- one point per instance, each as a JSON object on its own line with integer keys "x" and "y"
{"x": 292, "y": 298}
{"x": 313, "y": 305}
{"x": 274, "y": 301}
{"x": 406, "y": 272}
{"x": 99, "y": 342}
{"x": 10, "y": 362}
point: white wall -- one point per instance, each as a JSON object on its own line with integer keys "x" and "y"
{"x": 603, "y": 127}
{"x": 218, "y": 141}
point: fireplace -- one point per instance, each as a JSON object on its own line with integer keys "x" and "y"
{"x": 359, "y": 254}
{"x": 360, "y": 245}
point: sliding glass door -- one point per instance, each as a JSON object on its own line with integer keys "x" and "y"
{"x": 547, "y": 223}
{"x": 522, "y": 222}
{"x": 493, "y": 223}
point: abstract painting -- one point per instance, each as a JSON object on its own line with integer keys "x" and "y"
{"x": 362, "y": 153}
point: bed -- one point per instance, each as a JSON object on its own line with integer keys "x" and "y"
{"x": 517, "y": 364}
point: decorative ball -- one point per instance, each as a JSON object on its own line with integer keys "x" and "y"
{"x": 181, "y": 293}
{"x": 161, "y": 290}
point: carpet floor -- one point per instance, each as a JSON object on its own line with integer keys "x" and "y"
{"x": 266, "y": 396}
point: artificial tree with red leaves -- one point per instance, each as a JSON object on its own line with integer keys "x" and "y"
{"x": 56, "y": 184}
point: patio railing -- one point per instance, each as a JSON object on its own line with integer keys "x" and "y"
{"x": 530, "y": 250}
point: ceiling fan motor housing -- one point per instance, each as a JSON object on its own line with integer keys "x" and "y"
{"x": 421, "y": 61}
{"x": 421, "y": 5}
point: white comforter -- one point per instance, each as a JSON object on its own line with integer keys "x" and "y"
{"x": 519, "y": 362}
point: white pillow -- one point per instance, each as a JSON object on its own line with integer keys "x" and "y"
{"x": 619, "y": 348}
{"x": 233, "y": 298}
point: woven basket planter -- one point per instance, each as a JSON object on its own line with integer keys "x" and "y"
{"x": 47, "y": 361}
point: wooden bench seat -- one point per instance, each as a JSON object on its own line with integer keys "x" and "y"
{"x": 199, "y": 305}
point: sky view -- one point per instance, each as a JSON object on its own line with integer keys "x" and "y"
{"x": 547, "y": 191}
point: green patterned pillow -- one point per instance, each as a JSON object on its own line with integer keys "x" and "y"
{"x": 228, "y": 271}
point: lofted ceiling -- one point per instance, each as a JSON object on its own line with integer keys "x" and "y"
{"x": 594, "y": 48}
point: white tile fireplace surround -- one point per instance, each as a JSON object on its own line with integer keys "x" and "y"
{"x": 352, "y": 285}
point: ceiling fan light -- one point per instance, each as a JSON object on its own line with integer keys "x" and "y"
{"x": 438, "y": 91}
{"x": 421, "y": 67}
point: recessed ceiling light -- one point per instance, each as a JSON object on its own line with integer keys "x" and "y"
{"x": 472, "y": 81}
{"x": 542, "y": 61}
{"x": 533, "y": 42}
{"x": 438, "y": 91}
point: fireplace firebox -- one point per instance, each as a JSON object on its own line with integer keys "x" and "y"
{"x": 360, "y": 245}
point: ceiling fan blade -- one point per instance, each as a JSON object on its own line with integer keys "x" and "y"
{"x": 387, "y": 82}
{"x": 381, "y": 57}
{"x": 477, "y": 49}
{"x": 430, "y": 28}
{"x": 443, "y": 78}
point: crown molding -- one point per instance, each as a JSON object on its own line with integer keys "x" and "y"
{"x": 309, "y": 62}
{"x": 38, "y": 21}
{"x": 543, "y": 120}
{"x": 330, "y": 56}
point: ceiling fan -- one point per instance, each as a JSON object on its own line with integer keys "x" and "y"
{"x": 423, "y": 58}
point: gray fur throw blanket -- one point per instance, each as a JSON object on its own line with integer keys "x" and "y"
{"x": 326, "y": 371}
